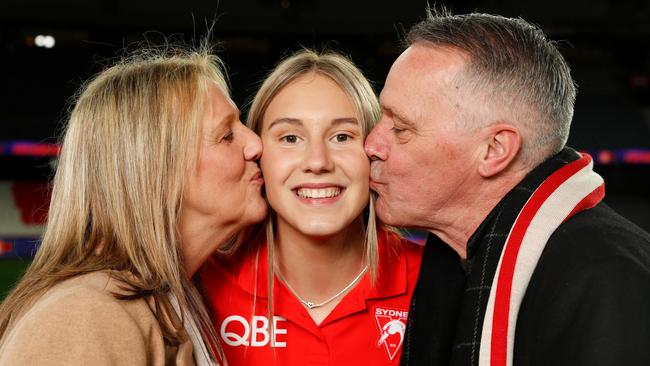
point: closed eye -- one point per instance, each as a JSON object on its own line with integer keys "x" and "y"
{"x": 228, "y": 137}
{"x": 402, "y": 133}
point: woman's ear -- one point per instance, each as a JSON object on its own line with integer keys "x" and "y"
{"x": 501, "y": 145}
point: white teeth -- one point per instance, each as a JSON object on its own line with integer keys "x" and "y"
{"x": 319, "y": 193}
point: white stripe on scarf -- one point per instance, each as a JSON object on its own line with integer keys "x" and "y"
{"x": 553, "y": 211}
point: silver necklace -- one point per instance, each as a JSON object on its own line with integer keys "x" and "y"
{"x": 312, "y": 305}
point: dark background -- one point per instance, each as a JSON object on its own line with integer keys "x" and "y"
{"x": 606, "y": 42}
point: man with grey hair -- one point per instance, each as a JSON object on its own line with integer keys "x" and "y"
{"x": 524, "y": 265}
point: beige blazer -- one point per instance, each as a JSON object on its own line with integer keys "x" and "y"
{"x": 79, "y": 322}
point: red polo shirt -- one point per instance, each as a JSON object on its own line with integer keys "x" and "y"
{"x": 365, "y": 328}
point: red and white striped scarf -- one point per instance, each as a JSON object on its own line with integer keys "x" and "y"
{"x": 569, "y": 190}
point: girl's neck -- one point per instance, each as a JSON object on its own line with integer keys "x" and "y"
{"x": 318, "y": 255}
{"x": 317, "y": 268}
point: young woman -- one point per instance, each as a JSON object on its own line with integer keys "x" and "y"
{"x": 156, "y": 172}
{"x": 335, "y": 287}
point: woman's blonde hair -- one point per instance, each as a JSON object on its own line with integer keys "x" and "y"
{"x": 130, "y": 142}
{"x": 351, "y": 80}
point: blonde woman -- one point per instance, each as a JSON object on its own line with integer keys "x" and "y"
{"x": 339, "y": 284}
{"x": 156, "y": 173}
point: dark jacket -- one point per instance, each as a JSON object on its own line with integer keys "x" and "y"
{"x": 588, "y": 301}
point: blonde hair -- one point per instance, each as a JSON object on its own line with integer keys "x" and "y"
{"x": 350, "y": 79}
{"x": 130, "y": 142}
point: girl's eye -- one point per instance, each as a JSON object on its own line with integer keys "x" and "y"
{"x": 290, "y": 139}
{"x": 342, "y": 137}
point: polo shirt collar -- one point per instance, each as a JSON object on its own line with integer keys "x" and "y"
{"x": 391, "y": 280}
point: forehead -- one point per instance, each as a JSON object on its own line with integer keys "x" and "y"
{"x": 421, "y": 75}
{"x": 218, "y": 103}
{"x": 310, "y": 97}
{"x": 312, "y": 89}
{"x": 218, "y": 110}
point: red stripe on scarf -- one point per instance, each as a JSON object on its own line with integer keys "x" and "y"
{"x": 588, "y": 202}
{"x": 498, "y": 350}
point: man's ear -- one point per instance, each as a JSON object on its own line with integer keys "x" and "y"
{"x": 500, "y": 147}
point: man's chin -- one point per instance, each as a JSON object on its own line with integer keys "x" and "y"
{"x": 384, "y": 213}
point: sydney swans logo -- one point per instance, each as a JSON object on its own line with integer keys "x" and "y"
{"x": 392, "y": 325}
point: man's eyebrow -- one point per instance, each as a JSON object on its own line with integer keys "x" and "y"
{"x": 292, "y": 121}
{"x": 402, "y": 119}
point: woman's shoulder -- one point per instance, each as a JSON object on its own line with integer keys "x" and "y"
{"x": 75, "y": 292}
{"x": 96, "y": 290}
{"x": 80, "y": 318}
{"x": 88, "y": 299}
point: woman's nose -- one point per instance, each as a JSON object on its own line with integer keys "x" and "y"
{"x": 252, "y": 145}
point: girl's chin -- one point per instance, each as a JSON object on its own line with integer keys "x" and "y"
{"x": 318, "y": 228}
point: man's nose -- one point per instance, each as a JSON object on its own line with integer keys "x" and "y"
{"x": 376, "y": 146}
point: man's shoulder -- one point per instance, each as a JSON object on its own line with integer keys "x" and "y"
{"x": 588, "y": 297}
{"x": 598, "y": 233}
{"x": 595, "y": 248}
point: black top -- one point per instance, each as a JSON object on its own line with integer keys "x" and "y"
{"x": 588, "y": 301}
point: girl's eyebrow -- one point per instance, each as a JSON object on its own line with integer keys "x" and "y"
{"x": 345, "y": 120}
{"x": 293, "y": 121}
{"x": 298, "y": 122}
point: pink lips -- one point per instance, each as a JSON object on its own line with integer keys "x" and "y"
{"x": 257, "y": 178}
{"x": 374, "y": 184}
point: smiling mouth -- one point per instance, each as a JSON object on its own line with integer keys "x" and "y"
{"x": 316, "y": 193}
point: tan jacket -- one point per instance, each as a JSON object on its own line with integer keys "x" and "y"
{"x": 80, "y": 322}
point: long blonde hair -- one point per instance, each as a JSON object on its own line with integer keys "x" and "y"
{"x": 351, "y": 80}
{"x": 130, "y": 142}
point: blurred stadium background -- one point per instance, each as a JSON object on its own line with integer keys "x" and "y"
{"x": 48, "y": 48}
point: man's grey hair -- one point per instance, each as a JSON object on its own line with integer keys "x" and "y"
{"x": 515, "y": 68}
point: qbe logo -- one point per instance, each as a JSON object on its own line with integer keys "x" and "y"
{"x": 237, "y": 331}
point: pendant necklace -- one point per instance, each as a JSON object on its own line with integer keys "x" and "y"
{"x": 312, "y": 305}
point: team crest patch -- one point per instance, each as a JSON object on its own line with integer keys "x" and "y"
{"x": 392, "y": 326}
